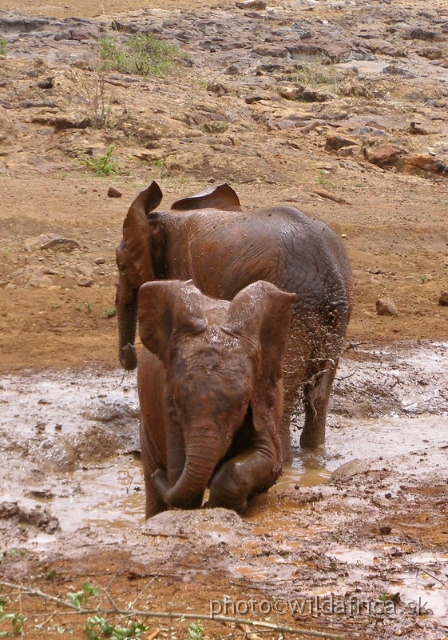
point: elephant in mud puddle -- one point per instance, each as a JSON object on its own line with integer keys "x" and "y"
{"x": 209, "y": 239}
{"x": 211, "y": 393}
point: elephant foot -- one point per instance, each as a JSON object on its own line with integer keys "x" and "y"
{"x": 313, "y": 437}
{"x": 128, "y": 357}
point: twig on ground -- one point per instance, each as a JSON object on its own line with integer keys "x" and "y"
{"x": 172, "y": 615}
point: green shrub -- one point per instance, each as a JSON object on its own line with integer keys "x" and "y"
{"x": 142, "y": 54}
{"x": 104, "y": 165}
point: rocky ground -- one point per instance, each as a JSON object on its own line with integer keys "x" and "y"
{"x": 336, "y": 107}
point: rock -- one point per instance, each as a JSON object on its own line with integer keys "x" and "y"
{"x": 422, "y": 164}
{"x": 114, "y": 193}
{"x": 303, "y": 94}
{"x": 72, "y": 121}
{"x": 48, "y": 83}
{"x": 211, "y": 527}
{"x": 346, "y": 471}
{"x": 422, "y": 34}
{"x": 33, "y": 277}
{"x": 386, "y": 307}
{"x": 38, "y": 516}
{"x": 148, "y": 155}
{"x": 217, "y": 88}
{"x": 290, "y": 93}
{"x": 85, "y": 282}
{"x": 416, "y": 130}
{"x": 386, "y": 155}
{"x": 443, "y": 300}
{"x": 255, "y": 5}
{"x": 51, "y": 241}
{"x": 257, "y": 96}
{"x": 335, "y": 141}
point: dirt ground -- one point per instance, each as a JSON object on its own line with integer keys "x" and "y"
{"x": 56, "y": 305}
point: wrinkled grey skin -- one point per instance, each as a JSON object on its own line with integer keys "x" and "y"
{"x": 211, "y": 393}
{"x": 222, "y": 249}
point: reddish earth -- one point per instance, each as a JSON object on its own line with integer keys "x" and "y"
{"x": 55, "y": 308}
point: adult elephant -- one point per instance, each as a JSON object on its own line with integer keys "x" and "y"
{"x": 209, "y": 239}
{"x": 211, "y": 393}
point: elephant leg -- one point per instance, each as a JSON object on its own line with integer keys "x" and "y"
{"x": 150, "y": 460}
{"x": 317, "y": 391}
{"x": 240, "y": 478}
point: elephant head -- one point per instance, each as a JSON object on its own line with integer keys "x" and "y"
{"x": 139, "y": 256}
{"x": 222, "y": 363}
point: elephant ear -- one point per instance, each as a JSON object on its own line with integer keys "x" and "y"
{"x": 261, "y": 313}
{"x": 168, "y": 309}
{"x": 137, "y": 231}
{"x": 221, "y": 197}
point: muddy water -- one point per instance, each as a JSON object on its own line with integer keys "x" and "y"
{"x": 65, "y": 430}
{"x": 72, "y": 480}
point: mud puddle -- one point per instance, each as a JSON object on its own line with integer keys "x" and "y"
{"x": 356, "y": 531}
{"x": 71, "y": 438}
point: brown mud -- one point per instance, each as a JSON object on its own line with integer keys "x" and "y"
{"x": 320, "y": 551}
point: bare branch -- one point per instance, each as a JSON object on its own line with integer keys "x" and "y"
{"x": 172, "y": 615}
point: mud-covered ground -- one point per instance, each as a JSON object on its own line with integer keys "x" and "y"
{"x": 338, "y": 108}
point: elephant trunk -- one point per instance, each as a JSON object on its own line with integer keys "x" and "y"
{"x": 202, "y": 455}
{"x": 127, "y": 326}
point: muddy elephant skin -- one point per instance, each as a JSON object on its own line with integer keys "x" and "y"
{"x": 211, "y": 393}
{"x": 209, "y": 239}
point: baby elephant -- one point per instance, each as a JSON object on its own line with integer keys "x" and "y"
{"x": 211, "y": 393}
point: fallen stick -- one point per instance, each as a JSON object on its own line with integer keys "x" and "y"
{"x": 165, "y": 614}
{"x": 330, "y": 196}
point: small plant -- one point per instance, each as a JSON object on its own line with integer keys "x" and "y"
{"x": 3, "y": 46}
{"x": 325, "y": 182}
{"x": 195, "y": 632}
{"x": 104, "y": 165}
{"x": 142, "y": 54}
{"x": 16, "y": 619}
{"x": 98, "y": 627}
{"x": 390, "y": 597}
{"x": 160, "y": 163}
{"x": 110, "y": 312}
{"x": 92, "y": 88}
{"x": 80, "y": 598}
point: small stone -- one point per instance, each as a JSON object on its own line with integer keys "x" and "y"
{"x": 255, "y": 5}
{"x": 85, "y": 282}
{"x": 443, "y": 300}
{"x": 51, "y": 241}
{"x": 48, "y": 83}
{"x": 386, "y": 307}
{"x": 385, "y": 530}
{"x": 335, "y": 142}
{"x": 100, "y": 261}
{"x": 114, "y": 193}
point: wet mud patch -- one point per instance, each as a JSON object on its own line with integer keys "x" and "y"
{"x": 353, "y": 537}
